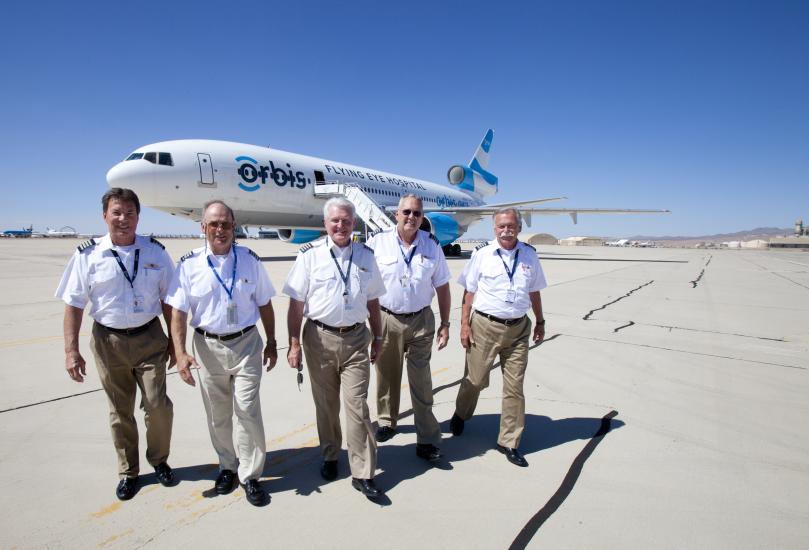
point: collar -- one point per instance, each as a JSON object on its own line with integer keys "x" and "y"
{"x": 209, "y": 252}
{"x": 339, "y": 252}
{"x": 105, "y": 242}
{"x": 402, "y": 243}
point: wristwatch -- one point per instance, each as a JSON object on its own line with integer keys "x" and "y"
{"x": 445, "y": 324}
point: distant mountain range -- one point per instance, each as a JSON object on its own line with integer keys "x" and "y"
{"x": 747, "y": 235}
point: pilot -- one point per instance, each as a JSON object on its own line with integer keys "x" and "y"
{"x": 501, "y": 281}
{"x": 414, "y": 269}
{"x": 226, "y": 290}
{"x": 336, "y": 284}
{"x": 124, "y": 277}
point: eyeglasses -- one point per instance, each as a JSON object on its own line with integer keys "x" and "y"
{"x": 225, "y": 226}
{"x": 407, "y": 212}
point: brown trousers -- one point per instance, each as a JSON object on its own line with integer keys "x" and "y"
{"x": 338, "y": 361}
{"x": 125, "y": 363}
{"x": 511, "y": 344}
{"x": 413, "y": 337}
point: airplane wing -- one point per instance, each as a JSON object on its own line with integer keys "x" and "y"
{"x": 489, "y": 209}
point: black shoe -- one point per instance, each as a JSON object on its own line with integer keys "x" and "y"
{"x": 126, "y": 488}
{"x": 328, "y": 470}
{"x": 513, "y": 456}
{"x": 366, "y": 487}
{"x": 224, "y": 482}
{"x": 456, "y": 425}
{"x": 427, "y": 451}
{"x": 383, "y": 433}
{"x": 255, "y": 494}
{"x": 164, "y": 474}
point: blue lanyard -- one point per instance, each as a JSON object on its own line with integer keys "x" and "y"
{"x": 218, "y": 278}
{"x": 340, "y": 269}
{"x": 407, "y": 260}
{"x": 130, "y": 280}
{"x": 513, "y": 265}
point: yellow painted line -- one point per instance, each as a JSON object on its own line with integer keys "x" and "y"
{"x": 290, "y": 434}
{"x": 106, "y": 511}
{"x": 192, "y": 499}
{"x": 116, "y": 537}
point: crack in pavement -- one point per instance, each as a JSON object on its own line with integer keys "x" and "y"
{"x": 627, "y": 295}
{"x": 629, "y": 324}
{"x": 688, "y": 352}
{"x": 701, "y": 273}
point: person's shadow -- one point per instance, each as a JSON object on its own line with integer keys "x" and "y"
{"x": 399, "y": 463}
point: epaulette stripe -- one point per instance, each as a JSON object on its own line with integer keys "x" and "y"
{"x": 530, "y": 246}
{"x": 253, "y": 254}
{"x": 481, "y": 245}
{"x": 186, "y": 256}
{"x": 307, "y": 246}
{"x": 375, "y": 233}
{"x": 435, "y": 239}
{"x": 158, "y": 243}
{"x": 86, "y": 244}
{"x": 368, "y": 248}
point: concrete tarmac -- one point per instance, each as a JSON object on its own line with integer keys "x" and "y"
{"x": 666, "y": 409}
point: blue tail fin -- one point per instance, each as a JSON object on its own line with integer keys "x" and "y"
{"x": 475, "y": 177}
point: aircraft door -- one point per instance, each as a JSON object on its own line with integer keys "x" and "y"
{"x": 205, "y": 170}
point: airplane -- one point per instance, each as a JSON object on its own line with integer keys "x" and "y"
{"x": 24, "y": 232}
{"x": 619, "y": 242}
{"x": 272, "y": 188}
{"x": 66, "y": 231}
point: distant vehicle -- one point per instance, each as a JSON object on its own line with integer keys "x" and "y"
{"x": 65, "y": 231}
{"x": 19, "y": 232}
{"x": 272, "y": 188}
{"x": 620, "y": 242}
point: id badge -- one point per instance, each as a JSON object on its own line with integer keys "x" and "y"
{"x": 137, "y": 304}
{"x": 405, "y": 281}
{"x": 233, "y": 317}
{"x": 510, "y": 296}
{"x": 347, "y": 305}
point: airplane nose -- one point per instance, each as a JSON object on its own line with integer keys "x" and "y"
{"x": 130, "y": 175}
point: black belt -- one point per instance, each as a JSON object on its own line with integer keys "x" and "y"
{"x": 507, "y": 322}
{"x": 338, "y": 330}
{"x": 224, "y": 337}
{"x": 405, "y": 315}
{"x": 129, "y": 331}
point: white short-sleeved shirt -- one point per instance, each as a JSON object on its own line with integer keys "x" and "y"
{"x": 93, "y": 276}
{"x": 195, "y": 289}
{"x": 485, "y": 275}
{"x": 409, "y": 288}
{"x": 316, "y": 281}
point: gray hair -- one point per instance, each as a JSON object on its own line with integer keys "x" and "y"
{"x": 341, "y": 203}
{"x": 507, "y": 210}
{"x": 218, "y": 201}
{"x": 410, "y": 196}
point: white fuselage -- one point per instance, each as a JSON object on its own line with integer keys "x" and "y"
{"x": 265, "y": 187}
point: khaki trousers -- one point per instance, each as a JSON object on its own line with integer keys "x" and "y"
{"x": 125, "y": 363}
{"x": 511, "y": 344}
{"x": 411, "y": 336}
{"x": 335, "y": 361}
{"x": 230, "y": 381}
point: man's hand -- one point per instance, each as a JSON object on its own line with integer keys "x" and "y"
{"x": 294, "y": 355}
{"x": 467, "y": 338}
{"x": 443, "y": 336}
{"x": 539, "y": 332}
{"x": 376, "y": 345}
{"x": 270, "y": 355}
{"x": 75, "y": 365}
{"x": 184, "y": 364}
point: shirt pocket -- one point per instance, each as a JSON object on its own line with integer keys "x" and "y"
{"x": 244, "y": 291}
{"x": 422, "y": 268}
{"x": 201, "y": 287}
{"x": 325, "y": 278}
{"x": 105, "y": 287}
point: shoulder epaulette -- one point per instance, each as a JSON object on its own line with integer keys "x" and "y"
{"x": 435, "y": 239}
{"x": 253, "y": 254}
{"x": 186, "y": 256}
{"x": 375, "y": 233}
{"x": 306, "y": 247}
{"x": 368, "y": 248}
{"x": 90, "y": 243}
{"x": 529, "y": 246}
{"x": 158, "y": 243}
{"x": 481, "y": 245}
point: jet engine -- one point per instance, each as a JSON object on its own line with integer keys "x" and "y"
{"x": 299, "y": 236}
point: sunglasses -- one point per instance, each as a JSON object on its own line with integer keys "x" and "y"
{"x": 220, "y": 225}
{"x": 407, "y": 212}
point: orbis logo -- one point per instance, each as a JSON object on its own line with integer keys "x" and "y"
{"x": 250, "y": 171}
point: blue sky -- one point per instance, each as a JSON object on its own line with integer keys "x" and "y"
{"x": 696, "y": 106}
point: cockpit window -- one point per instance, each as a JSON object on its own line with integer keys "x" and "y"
{"x": 165, "y": 159}
{"x": 151, "y": 157}
{"x": 135, "y": 156}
